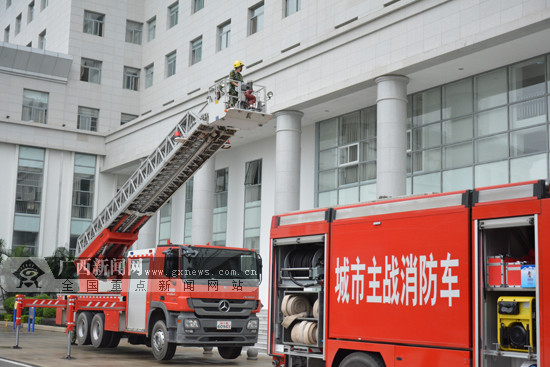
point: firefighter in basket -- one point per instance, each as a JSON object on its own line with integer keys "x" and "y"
{"x": 235, "y": 82}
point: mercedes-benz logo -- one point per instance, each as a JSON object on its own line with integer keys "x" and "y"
{"x": 223, "y": 306}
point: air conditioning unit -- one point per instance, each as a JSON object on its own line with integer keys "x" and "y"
{"x": 516, "y": 323}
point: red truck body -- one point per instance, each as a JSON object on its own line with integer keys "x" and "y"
{"x": 403, "y": 282}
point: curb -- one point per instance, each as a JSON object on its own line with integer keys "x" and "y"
{"x": 59, "y": 329}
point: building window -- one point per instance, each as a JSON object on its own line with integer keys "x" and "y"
{"x": 133, "y": 32}
{"x": 30, "y": 12}
{"x": 224, "y": 35}
{"x": 90, "y": 71}
{"x": 220, "y": 207}
{"x": 43, "y": 5}
{"x": 8, "y": 3}
{"x": 7, "y": 34}
{"x": 173, "y": 15}
{"x": 18, "y": 24}
{"x": 165, "y": 219}
{"x": 131, "y": 78}
{"x": 151, "y": 29}
{"x": 28, "y": 199}
{"x": 126, "y": 117}
{"x": 35, "y": 106}
{"x": 252, "y": 204}
{"x": 87, "y": 118}
{"x": 196, "y": 50}
{"x": 29, "y": 44}
{"x": 188, "y": 223}
{"x": 149, "y": 72}
{"x": 93, "y": 23}
{"x": 256, "y": 18}
{"x": 42, "y": 40}
{"x": 347, "y": 158}
{"x": 292, "y": 6}
{"x": 82, "y": 211}
{"x": 197, "y": 5}
{"x": 170, "y": 64}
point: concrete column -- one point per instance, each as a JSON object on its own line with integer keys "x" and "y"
{"x": 287, "y": 161}
{"x": 203, "y": 204}
{"x": 391, "y": 139}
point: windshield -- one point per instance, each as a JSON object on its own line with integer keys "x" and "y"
{"x": 213, "y": 263}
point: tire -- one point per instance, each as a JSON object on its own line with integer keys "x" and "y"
{"x": 360, "y": 359}
{"x": 99, "y": 336}
{"x": 230, "y": 352}
{"x": 83, "y": 322}
{"x": 162, "y": 349}
{"x": 115, "y": 340}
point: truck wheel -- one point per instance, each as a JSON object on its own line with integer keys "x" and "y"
{"x": 230, "y": 352}
{"x": 99, "y": 336}
{"x": 83, "y": 322}
{"x": 162, "y": 349}
{"x": 115, "y": 340}
{"x": 359, "y": 359}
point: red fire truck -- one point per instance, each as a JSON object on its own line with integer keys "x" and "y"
{"x": 169, "y": 295}
{"x": 452, "y": 279}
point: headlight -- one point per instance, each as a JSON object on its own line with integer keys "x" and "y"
{"x": 191, "y": 324}
{"x": 252, "y": 324}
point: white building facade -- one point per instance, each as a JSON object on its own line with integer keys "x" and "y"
{"x": 371, "y": 98}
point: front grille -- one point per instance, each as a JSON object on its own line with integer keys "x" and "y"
{"x": 214, "y": 330}
{"x": 239, "y": 308}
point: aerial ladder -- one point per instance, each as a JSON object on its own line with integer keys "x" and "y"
{"x": 194, "y": 140}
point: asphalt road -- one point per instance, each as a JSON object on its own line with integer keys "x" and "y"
{"x": 47, "y": 348}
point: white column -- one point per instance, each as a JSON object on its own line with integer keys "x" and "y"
{"x": 391, "y": 139}
{"x": 203, "y": 204}
{"x": 287, "y": 161}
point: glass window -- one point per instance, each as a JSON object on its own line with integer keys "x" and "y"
{"x": 427, "y": 107}
{"x": 533, "y": 167}
{"x": 367, "y": 192}
{"x": 252, "y": 206}
{"x": 30, "y": 12}
{"x": 458, "y": 155}
{"x": 328, "y": 180}
{"x": 349, "y": 128}
{"x": 126, "y": 117}
{"x": 329, "y": 198}
{"x": 18, "y": 24}
{"x": 131, "y": 78}
{"x": 7, "y": 34}
{"x": 491, "y": 148}
{"x": 220, "y": 207}
{"x": 458, "y": 179}
{"x": 528, "y": 141}
{"x": 429, "y": 183}
{"x": 328, "y": 159}
{"x": 30, "y": 172}
{"x": 292, "y": 6}
{"x": 457, "y": 130}
{"x": 149, "y": 72}
{"x": 348, "y": 196}
{"x": 527, "y": 79}
{"x": 133, "y": 32}
{"x": 90, "y": 71}
{"x": 93, "y": 23}
{"x": 83, "y": 195}
{"x": 43, "y": 5}
{"x": 256, "y": 18}
{"x": 328, "y": 134}
{"x": 491, "y": 174}
{"x": 196, "y": 50}
{"x": 528, "y": 113}
{"x": 224, "y": 35}
{"x": 42, "y": 40}
{"x": 8, "y": 3}
{"x": 427, "y": 137}
{"x": 165, "y": 219}
{"x": 197, "y": 5}
{"x": 151, "y": 29}
{"x": 368, "y": 171}
{"x": 491, "y": 89}
{"x": 87, "y": 118}
{"x": 170, "y": 64}
{"x": 348, "y": 175}
{"x": 491, "y": 122}
{"x": 188, "y": 225}
{"x": 457, "y": 99}
{"x": 173, "y": 14}
{"x": 427, "y": 160}
{"x": 35, "y": 106}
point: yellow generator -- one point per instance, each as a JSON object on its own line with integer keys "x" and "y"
{"x": 516, "y": 323}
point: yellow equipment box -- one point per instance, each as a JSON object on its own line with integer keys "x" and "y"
{"x": 516, "y": 323}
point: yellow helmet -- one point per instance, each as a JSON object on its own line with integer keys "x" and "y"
{"x": 238, "y": 64}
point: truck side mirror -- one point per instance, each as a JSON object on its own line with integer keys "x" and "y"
{"x": 170, "y": 263}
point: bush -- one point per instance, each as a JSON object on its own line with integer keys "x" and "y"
{"x": 40, "y": 310}
{"x": 9, "y": 305}
{"x": 49, "y": 312}
{"x": 8, "y": 317}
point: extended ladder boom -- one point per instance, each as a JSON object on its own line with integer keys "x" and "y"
{"x": 158, "y": 177}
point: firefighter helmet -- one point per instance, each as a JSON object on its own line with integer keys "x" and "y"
{"x": 238, "y": 64}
